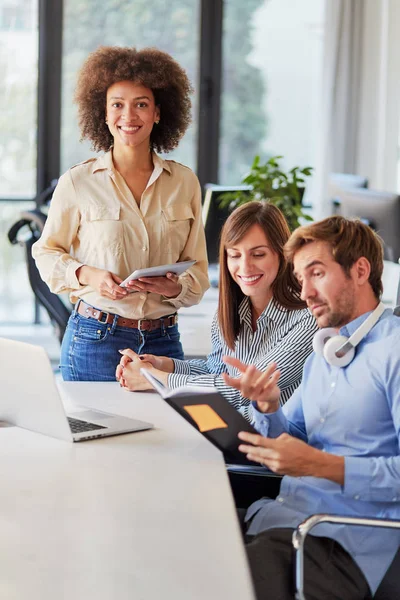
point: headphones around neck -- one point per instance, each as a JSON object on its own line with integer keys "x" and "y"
{"x": 338, "y": 350}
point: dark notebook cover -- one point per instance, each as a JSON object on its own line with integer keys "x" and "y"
{"x": 210, "y": 414}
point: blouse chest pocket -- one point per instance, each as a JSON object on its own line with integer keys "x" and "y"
{"x": 99, "y": 212}
{"x": 102, "y": 228}
{"x": 176, "y": 223}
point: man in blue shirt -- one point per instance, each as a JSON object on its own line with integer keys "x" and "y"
{"x": 336, "y": 440}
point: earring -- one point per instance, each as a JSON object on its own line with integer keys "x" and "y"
{"x": 157, "y": 122}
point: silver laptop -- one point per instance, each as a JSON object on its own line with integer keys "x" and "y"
{"x": 30, "y": 399}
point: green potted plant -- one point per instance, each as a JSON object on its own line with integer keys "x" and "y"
{"x": 268, "y": 182}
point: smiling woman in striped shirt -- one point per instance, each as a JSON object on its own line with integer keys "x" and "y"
{"x": 260, "y": 317}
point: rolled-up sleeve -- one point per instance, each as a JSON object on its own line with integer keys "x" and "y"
{"x": 195, "y": 280}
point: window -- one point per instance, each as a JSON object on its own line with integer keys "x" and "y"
{"x": 170, "y": 26}
{"x": 18, "y": 123}
{"x": 272, "y": 56}
{"x": 18, "y": 74}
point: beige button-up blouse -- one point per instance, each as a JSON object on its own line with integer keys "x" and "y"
{"x": 94, "y": 220}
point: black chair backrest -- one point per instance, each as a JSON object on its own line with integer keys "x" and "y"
{"x": 33, "y": 221}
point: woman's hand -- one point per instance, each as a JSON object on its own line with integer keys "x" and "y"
{"x": 128, "y": 371}
{"x": 260, "y": 386}
{"x": 167, "y": 286}
{"x": 103, "y": 282}
{"x": 162, "y": 363}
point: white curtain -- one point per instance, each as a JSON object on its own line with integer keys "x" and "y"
{"x": 339, "y": 116}
{"x": 360, "y": 108}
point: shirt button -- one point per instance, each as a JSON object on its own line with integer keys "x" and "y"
{"x": 142, "y": 297}
{"x": 280, "y": 499}
{"x": 394, "y": 499}
{"x": 322, "y": 420}
{"x": 356, "y": 497}
{"x": 333, "y": 384}
{"x": 144, "y": 248}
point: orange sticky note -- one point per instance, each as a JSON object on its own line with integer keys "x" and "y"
{"x": 205, "y": 417}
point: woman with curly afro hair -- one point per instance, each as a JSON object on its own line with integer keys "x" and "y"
{"x": 125, "y": 210}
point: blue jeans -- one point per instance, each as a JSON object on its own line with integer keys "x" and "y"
{"x": 89, "y": 350}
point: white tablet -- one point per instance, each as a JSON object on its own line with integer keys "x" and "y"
{"x": 159, "y": 271}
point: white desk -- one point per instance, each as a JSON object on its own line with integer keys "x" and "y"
{"x": 140, "y": 516}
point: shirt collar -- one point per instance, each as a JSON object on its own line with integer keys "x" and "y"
{"x": 351, "y": 327}
{"x": 273, "y": 311}
{"x": 105, "y": 163}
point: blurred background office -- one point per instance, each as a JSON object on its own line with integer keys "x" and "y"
{"x": 316, "y": 81}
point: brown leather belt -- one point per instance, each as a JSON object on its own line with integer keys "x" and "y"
{"x": 85, "y": 310}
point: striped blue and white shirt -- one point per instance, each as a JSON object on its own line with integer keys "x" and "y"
{"x": 283, "y": 336}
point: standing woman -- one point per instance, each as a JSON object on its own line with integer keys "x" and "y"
{"x": 260, "y": 318}
{"x": 127, "y": 209}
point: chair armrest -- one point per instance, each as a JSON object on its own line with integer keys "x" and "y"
{"x": 299, "y": 536}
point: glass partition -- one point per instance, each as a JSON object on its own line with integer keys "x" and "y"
{"x": 272, "y": 58}
{"x": 18, "y": 126}
{"x": 18, "y": 100}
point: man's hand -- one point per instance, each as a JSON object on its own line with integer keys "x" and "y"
{"x": 260, "y": 386}
{"x": 103, "y": 282}
{"x": 287, "y": 455}
{"x": 167, "y": 286}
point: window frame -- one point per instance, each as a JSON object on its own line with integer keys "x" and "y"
{"x": 50, "y": 20}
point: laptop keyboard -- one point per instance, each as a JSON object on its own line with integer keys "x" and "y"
{"x": 78, "y": 426}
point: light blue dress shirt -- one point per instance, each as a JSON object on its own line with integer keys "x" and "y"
{"x": 353, "y": 412}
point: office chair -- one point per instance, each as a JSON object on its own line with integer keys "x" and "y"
{"x": 250, "y": 483}
{"x": 26, "y": 232}
{"x": 389, "y": 588}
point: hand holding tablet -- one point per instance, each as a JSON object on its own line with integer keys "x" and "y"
{"x": 160, "y": 271}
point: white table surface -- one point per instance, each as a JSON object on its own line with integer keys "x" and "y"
{"x": 138, "y": 516}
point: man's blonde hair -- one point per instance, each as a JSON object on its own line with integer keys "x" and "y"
{"x": 350, "y": 239}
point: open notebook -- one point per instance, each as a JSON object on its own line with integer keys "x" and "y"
{"x": 210, "y": 413}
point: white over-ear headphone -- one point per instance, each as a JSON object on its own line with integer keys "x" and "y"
{"x": 338, "y": 350}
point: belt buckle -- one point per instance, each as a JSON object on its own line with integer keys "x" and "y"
{"x": 140, "y": 321}
{"x": 100, "y": 317}
{"x": 173, "y": 319}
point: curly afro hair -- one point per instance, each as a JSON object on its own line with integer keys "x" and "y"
{"x": 150, "y": 67}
